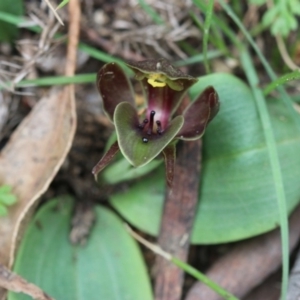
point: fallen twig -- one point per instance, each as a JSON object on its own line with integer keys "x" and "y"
{"x": 16, "y": 283}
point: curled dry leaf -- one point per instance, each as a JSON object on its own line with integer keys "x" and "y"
{"x": 16, "y": 283}
{"x": 31, "y": 159}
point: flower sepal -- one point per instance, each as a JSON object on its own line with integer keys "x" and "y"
{"x": 143, "y": 134}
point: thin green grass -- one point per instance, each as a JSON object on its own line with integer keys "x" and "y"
{"x": 219, "y": 22}
{"x": 58, "y": 80}
{"x": 215, "y": 38}
{"x": 201, "y": 277}
{"x": 281, "y": 81}
{"x": 52, "y": 80}
{"x": 199, "y": 58}
{"x": 253, "y": 79}
{"x": 270, "y": 139}
{"x": 207, "y": 24}
{"x": 266, "y": 125}
{"x": 151, "y": 12}
{"x": 284, "y": 95}
{"x": 62, "y": 4}
{"x": 182, "y": 265}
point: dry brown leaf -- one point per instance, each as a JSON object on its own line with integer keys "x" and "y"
{"x": 16, "y": 283}
{"x": 38, "y": 148}
{"x": 31, "y": 159}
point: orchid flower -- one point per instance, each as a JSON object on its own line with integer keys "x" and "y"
{"x": 143, "y": 134}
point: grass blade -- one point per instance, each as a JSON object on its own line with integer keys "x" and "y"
{"x": 275, "y": 164}
{"x": 281, "y": 80}
{"x": 58, "y": 80}
{"x": 182, "y": 265}
{"x": 199, "y": 58}
{"x": 207, "y": 24}
{"x": 284, "y": 95}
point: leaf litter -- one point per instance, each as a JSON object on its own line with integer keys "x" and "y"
{"x": 35, "y": 152}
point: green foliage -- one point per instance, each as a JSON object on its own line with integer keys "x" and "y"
{"x": 274, "y": 163}
{"x": 281, "y": 17}
{"x": 237, "y": 196}
{"x": 8, "y": 32}
{"x": 62, "y": 4}
{"x": 109, "y": 266}
{"x": 6, "y": 199}
{"x": 295, "y": 75}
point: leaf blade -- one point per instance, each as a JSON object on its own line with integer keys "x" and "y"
{"x": 100, "y": 270}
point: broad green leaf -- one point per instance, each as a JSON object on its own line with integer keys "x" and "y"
{"x": 110, "y": 266}
{"x": 8, "y": 32}
{"x": 130, "y": 137}
{"x": 237, "y": 196}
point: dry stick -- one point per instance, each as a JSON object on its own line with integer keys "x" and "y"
{"x": 177, "y": 220}
{"x": 109, "y": 46}
{"x": 16, "y": 283}
{"x": 294, "y": 286}
{"x": 73, "y": 36}
{"x": 248, "y": 263}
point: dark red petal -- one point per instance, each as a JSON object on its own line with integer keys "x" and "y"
{"x": 114, "y": 87}
{"x": 106, "y": 159}
{"x": 198, "y": 114}
{"x": 174, "y": 75}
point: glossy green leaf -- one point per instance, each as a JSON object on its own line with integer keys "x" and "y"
{"x": 237, "y": 196}
{"x": 110, "y": 266}
{"x": 130, "y": 137}
{"x": 8, "y": 32}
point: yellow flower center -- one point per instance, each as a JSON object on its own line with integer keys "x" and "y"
{"x": 157, "y": 80}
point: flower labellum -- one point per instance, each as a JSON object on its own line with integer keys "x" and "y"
{"x": 143, "y": 136}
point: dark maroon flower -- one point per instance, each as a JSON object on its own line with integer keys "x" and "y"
{"x": 142, "y": 136}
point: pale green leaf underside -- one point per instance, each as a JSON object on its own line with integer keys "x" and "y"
{"x": 237, "y": 196}
{"x": 110, "y": 266}
{"x": 130, "y": 140}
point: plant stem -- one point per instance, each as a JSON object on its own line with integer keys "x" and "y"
{"x": 177, "y": 220}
